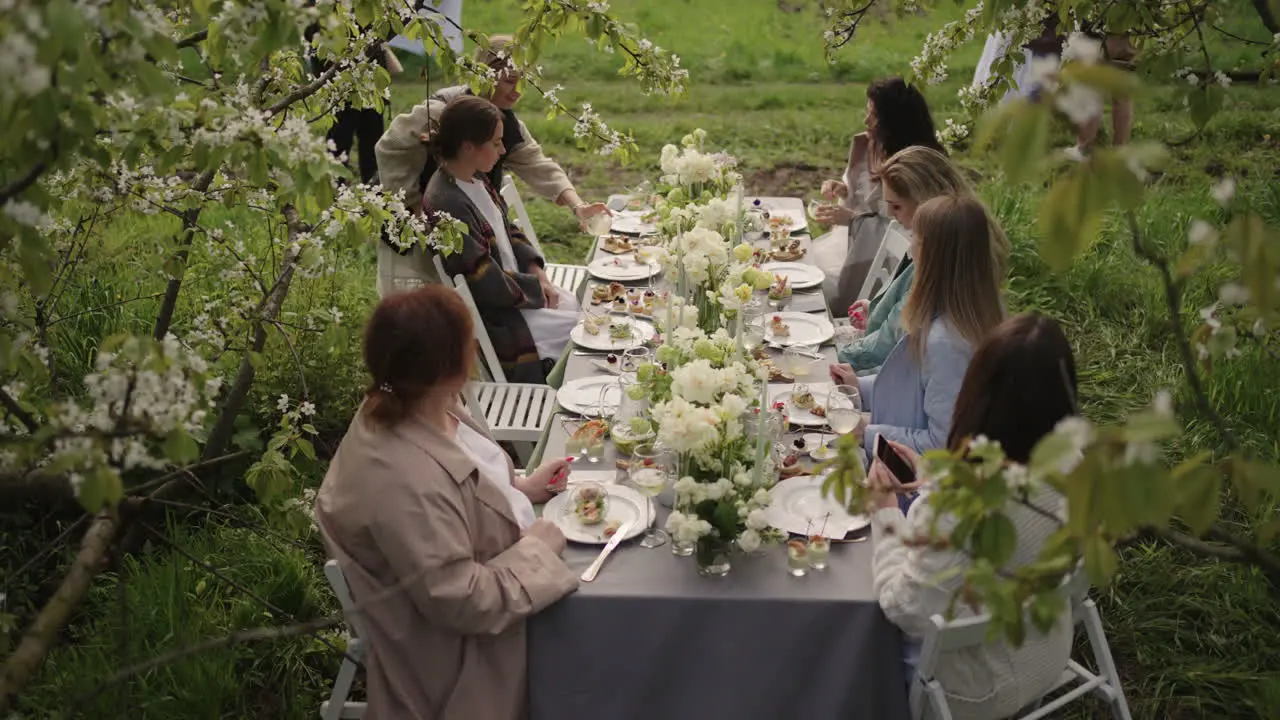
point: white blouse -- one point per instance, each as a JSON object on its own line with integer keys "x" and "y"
{"x": 982, "y": 683}
{"x": 491, "y": 461}
{"x": 549, "y": 327}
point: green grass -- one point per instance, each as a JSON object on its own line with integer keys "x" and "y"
{"x": 1193, "y": 638}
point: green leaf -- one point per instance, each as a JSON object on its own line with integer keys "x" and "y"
{"x": 1024, "y": 143}
{"x": 306, "y": 448}
{"x": 1149, "y": 426}
{"x": 1049, "y": 454}
{"x": 1071, "y": 217}
{"x": 180, "y": 447}
{"x": 33, "y": 255}
{"x": 1204, "y": 102}
{"x": 1106, "y": 78}
{"x": 995, "y": 539}
{"x": 1099, "y": 560}
{"x": 1199, "y": 498}
{"x": 102, "y": 487}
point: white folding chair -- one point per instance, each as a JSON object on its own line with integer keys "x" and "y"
{"x": 512, "y": 412}
{"x": 928, "y": 700}
{"x": 892, "y": 252}
{"x": 338, "y": 706}
{"x": 569, "y": 277}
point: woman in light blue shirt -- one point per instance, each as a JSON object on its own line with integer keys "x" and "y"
{"x": 911, "y": 177}
{"x": 953, "y": 304}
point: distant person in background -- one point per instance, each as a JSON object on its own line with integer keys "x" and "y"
{"x": 1117, "y": 51}
{"x": 451, "y": 10}
{"x": 1019, "y": 386}
{"x": 357, "y": 128}
{"x": 897, "y": 118}
{"x": 909, "y": 179}
{"x": 527, "y": 317}
{"x": 406, "y": 162}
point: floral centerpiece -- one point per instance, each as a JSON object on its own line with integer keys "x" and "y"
{"x": 705, "y": 392}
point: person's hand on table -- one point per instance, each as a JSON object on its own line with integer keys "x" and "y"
{"x": 588, "y": 210}
{"x": 547, "y": 532}
{"x": 548, "y": 480}
{"x": 833, "y": 215}
{"x": 834, "y": 190}
{"x": 550, "y": 293}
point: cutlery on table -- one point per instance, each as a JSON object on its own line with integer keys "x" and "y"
{"x": 804, "y": 353}
{"x": 592, "y": 571}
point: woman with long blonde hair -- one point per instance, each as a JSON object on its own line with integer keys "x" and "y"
{"x": 911, "y": 177}
{"x": 953, "y": 304}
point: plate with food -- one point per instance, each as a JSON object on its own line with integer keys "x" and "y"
{"x": 780, "y": 219}
{"x": 795, "y": 328}
{"x": 622, "y": 268}
{"x": 590, "y": 513}
{"x": 584, "y": 397}
{"x": 611, "y": 332}
{"x": 799, "y": 275}
{"x": 790, "y": 251}
{"x": 805, "y": 404}
{"x": 800, "y": 508}
{"x": 635, "y": 222}
{"x": 605, "y": 293}
{"x": 616, "y": 244}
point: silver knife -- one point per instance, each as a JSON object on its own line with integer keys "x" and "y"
{"x": 592, "y": 571}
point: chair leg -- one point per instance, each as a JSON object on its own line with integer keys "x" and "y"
{"x": 1102, "y": 655}
{"x": 341, "y": 690}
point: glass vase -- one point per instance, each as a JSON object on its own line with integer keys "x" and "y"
{"x": 713, "y": 556}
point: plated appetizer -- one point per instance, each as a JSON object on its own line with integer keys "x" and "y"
{"x": 590, "y": 504}
{"x": 778, "y": 327}
{"x": 591, "y": 325}
{"x": 790, "y": 251}
{"x": 601, "y": 294}
{"x": 781, "y": 288}
{"x": 616, "y": 244}
{"x": 619, "y": 330}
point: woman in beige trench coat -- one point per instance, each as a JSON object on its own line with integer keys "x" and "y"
{"x": 432, "y": 528}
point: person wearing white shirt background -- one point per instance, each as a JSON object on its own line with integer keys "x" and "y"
{"x": 1019, "y": 386}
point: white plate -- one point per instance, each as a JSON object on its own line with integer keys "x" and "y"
{"x": 641, "y": 333}
{"x": 798, "y": 507}
{"x": 795, "y": 218}
{"x": 625, "y": 505}
{"x": 800, "y": 276}
{"x": 630, "y": 222}
{"x": 800, "y": 417}
{"x": 582, "y": 396}
{"x": 806, "y": 329}
{"x": 622, "y": 268}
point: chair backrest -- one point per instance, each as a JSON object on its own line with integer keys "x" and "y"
{"x": 893, "y": 250}
{"x": 439, "y": 264}
{"x": 487, "y": 353}
{"x": 472, "y": 401}
{"x": 398, "y": 273}
{"x": 339, "y": 584}
{"x": 512, "y": 197}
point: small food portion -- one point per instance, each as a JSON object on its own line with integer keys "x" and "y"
{"x": 616, "y": 244}
{"x": 626, "y": 464}
{"x": 601, "y": 294}
{"x": 611, "y": 359}
{"x": 803, "y": 400}
{"x": 591, "y": 325}
{"x": 619, "y": 330}
{"x": 611, "y": 528}
{"x": 790, "y": 251}
{"x": 781, "y": 288}
{"x": 778, "y": 327}
{"x": 778, "y": 222}
{"x": 590, "y": 503}
{"x": 776, "y": 374}
{"x": 819, "y": 411}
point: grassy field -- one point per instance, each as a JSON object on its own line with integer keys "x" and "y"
{"x": 1193, "y": 639}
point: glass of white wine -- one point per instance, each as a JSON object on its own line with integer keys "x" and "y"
{"x": 798, "y": 363}
{"x": 843, "y": 406}
{"x": 599, "y": 224}
{"x": 651, "y": 469}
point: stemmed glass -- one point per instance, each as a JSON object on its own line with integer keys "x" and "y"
{"x": 753, "y": 333}
{"x": 651, "y": 469}
{"x": 843, "y": 405}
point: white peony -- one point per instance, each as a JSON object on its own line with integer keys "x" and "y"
{"x": 685, "y": 427}
{"x": 749, "y": 541}
{"x": 697, "y": 382}
{"x": 756, "y": 520}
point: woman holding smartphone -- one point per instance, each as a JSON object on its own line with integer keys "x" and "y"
{"x": 996, "y": 401}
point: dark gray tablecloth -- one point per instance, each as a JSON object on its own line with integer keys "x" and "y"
{"x": 652, "y": 640}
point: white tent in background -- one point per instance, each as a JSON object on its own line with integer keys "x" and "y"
{"x": 450, "y": 9}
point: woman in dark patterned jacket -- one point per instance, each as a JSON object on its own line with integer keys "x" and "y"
{"x": 527, "y": 317}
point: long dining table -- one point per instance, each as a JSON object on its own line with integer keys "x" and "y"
{"x": 651, "y": 639}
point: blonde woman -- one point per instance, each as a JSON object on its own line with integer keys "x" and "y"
{"x": 953, "y": 304}
{"x": 909, "y": 178}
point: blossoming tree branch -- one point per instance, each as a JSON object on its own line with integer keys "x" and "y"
{"x": 1116, "y": 478}
{"x": 202, "y": 125}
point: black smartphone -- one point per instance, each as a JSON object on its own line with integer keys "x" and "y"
{"x": 900, "y": 468}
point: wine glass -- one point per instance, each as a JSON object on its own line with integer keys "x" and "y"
{"x": 843, "y": 405}
{"x": 599, "y": 224}
{"x": 797, "y": 362}
{"x": 634, "y": 357}
{"x": 753, "y": 333}
{"x": 651, "y": 469}
{"x": 814, "y": 205}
